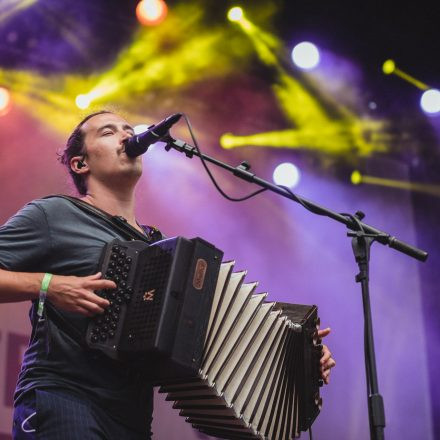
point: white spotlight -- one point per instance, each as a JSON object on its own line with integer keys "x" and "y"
{"x": 286, "y": 174}
{"x": 305, "y": 55}
{"x": 5, "y": 101}
{"x": 430, "y": 101}
{"x": 83, "y": 101}
{"x": 138, "y": 129}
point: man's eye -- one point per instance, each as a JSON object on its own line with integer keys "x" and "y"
{"x": 106, "y": 133}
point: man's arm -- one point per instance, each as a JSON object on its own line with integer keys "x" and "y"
{"x": 26, "y": 242}
{"x": 69, "y": 293}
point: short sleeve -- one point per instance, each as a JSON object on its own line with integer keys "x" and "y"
{"x": 25, "y": 239}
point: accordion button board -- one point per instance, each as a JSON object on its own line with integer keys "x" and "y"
{"x": 159, "y": 311}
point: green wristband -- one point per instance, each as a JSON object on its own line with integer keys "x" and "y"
{"x": 43, "y": 292}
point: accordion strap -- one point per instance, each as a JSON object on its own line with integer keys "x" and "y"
{"x": 117, "y": 222}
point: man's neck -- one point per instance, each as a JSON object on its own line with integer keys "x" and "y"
{"x": 119, "y": 203}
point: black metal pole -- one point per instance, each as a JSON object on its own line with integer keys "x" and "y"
{"x": 361, "y": 244}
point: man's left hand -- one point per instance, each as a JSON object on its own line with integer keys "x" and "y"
{"x": 326, "y": 362}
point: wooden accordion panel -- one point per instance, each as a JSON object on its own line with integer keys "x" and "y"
{"x": 259, "y": 377}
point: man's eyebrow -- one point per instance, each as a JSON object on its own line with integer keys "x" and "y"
{"x": 114, "y": 127}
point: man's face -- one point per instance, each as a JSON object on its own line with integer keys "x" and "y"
{"x": 104, "y": 145}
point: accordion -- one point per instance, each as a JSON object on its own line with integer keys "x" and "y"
{"x": 237, "y": 366}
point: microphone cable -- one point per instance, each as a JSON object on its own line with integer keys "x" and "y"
{"x": 213, "y": 180}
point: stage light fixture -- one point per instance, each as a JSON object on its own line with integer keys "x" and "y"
{"x": 305, "y": 55}
{"x": 82, "y": 101}
{"x": 5, "y": 101}
{"x": 151, "y": 12}
{"x": 286, "y": 174}
{"x": 389, "y": 67}
{"x": 356, "y": 177}
{"x": 425, "y": 188}
{"x": 235, "y": 14}
{"x": 430, "y": 101}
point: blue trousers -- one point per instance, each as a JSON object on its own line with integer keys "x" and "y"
{"x": 57, "y": 415}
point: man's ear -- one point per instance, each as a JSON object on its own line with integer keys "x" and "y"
{"x": 78, "y": 165}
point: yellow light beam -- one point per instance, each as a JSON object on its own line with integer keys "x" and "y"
{"x": 318, "y": 121}
{"x": 9, "y": 8}
{"x": 334, "y": 138}
{"x": 389, "y": 67}
{"x": 160, "y": 58}
{"x": 169, "y": 58}
{"x": 358, "y": 178}
{"x": 299, "y": 105}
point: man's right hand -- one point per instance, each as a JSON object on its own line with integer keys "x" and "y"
{"x": 77, "y": 294}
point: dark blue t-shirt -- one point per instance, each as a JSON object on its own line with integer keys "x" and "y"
{"x": 53, "y": 235}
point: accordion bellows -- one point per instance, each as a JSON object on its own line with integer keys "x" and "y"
{"x": 259, "y": 373}
{"x": 237, "y": 366}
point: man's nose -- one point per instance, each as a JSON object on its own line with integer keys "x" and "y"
{"x": 125, "y": 136}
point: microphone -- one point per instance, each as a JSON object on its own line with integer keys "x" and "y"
{"x": 138, "y": 144}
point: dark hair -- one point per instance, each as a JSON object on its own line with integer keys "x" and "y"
{"x": 75, "y": 147}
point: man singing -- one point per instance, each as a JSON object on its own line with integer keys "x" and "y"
{"x": 49, "y": 253}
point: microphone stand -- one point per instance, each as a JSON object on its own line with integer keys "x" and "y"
{"x": 363, "y": 236}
